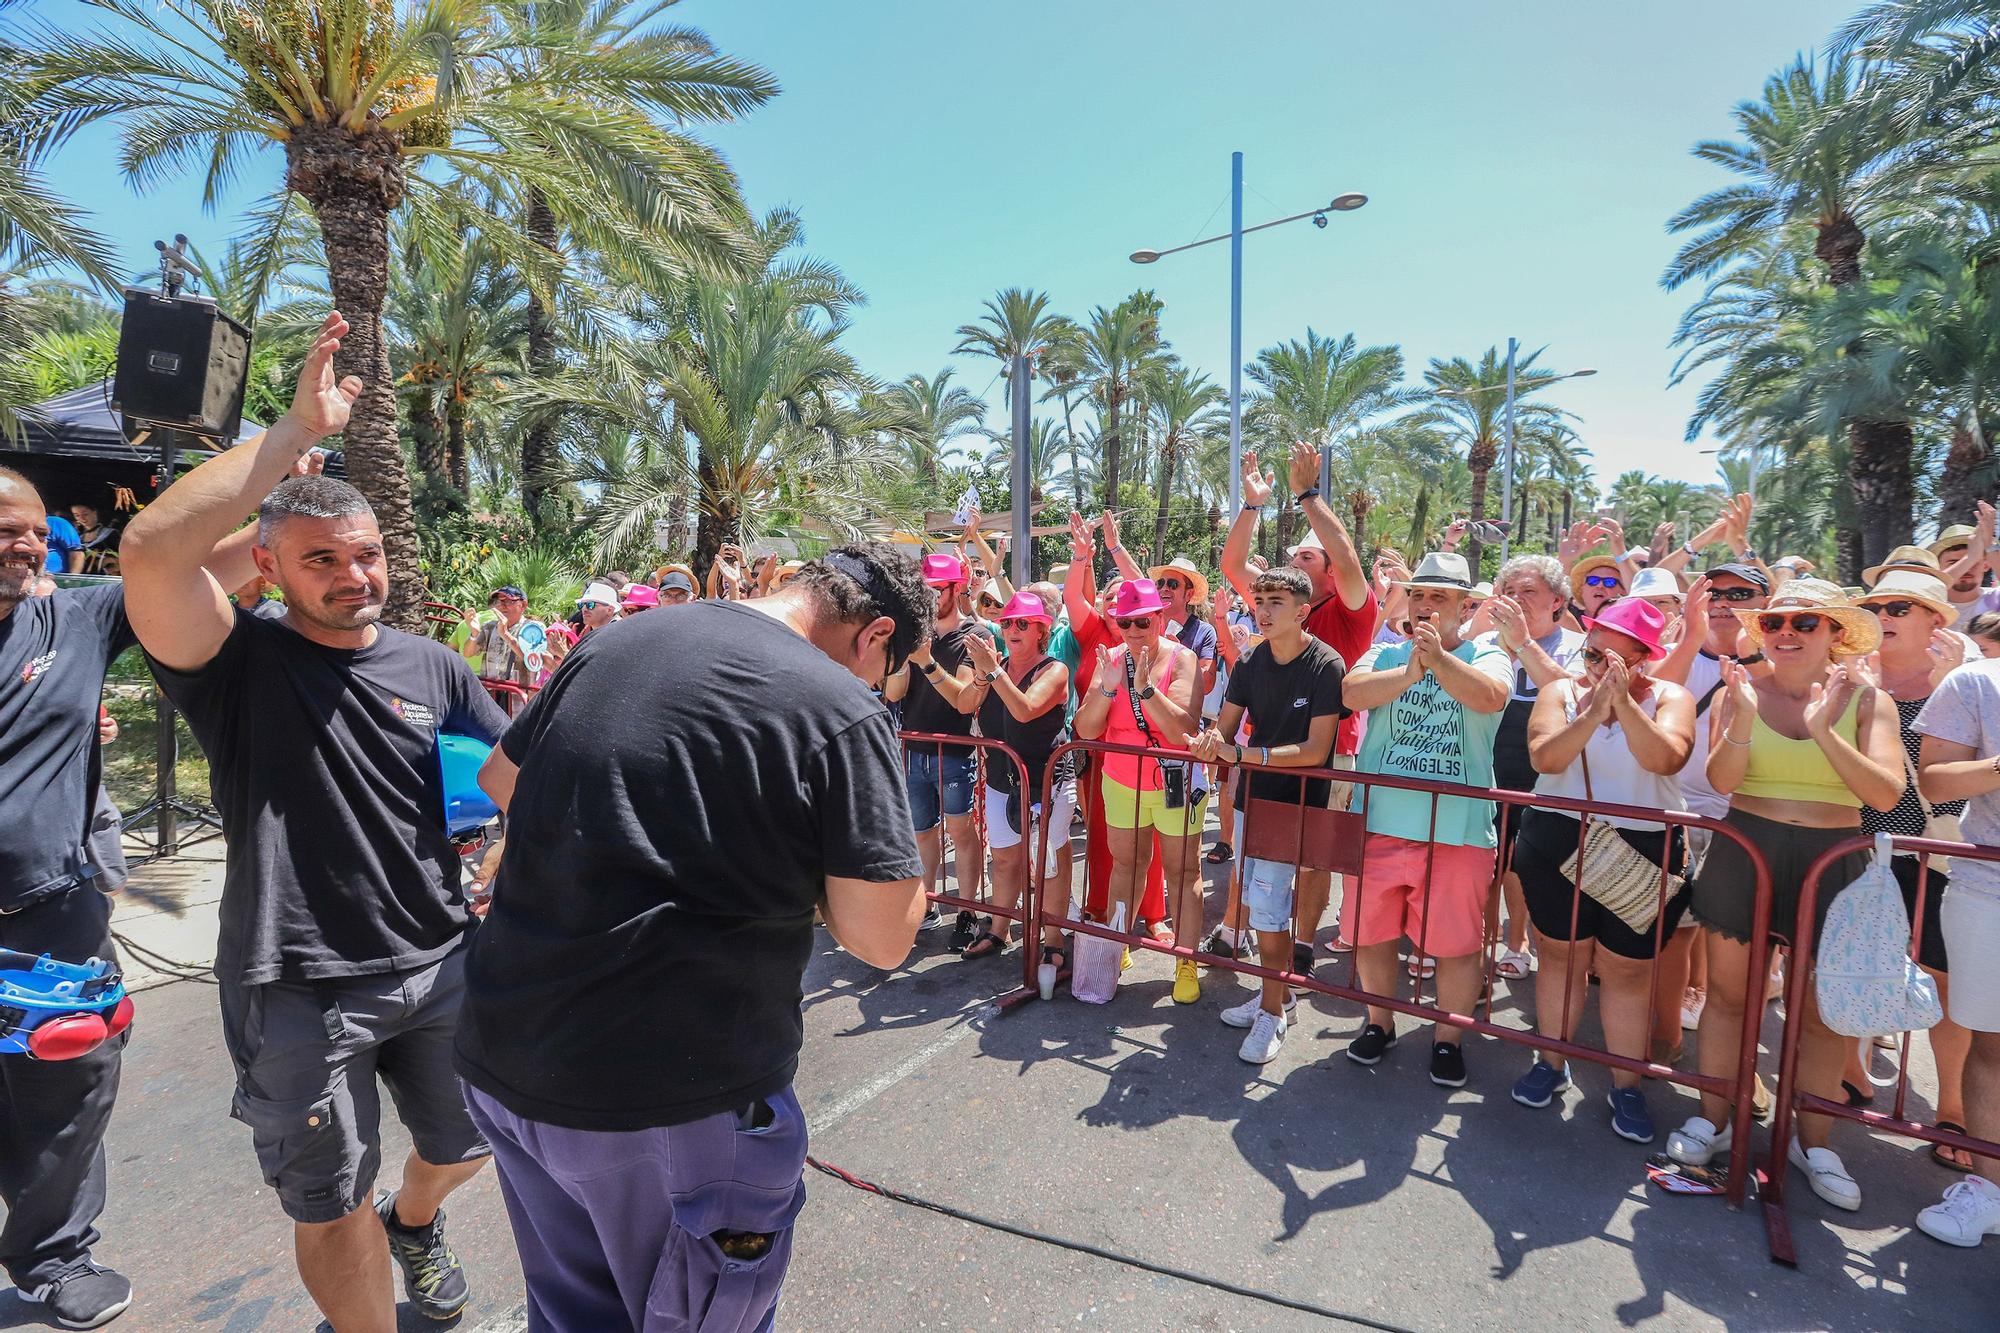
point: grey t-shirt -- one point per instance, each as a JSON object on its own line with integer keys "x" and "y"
{"x": 1965, "y": 709}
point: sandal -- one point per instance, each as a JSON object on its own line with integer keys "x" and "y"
{"x": 1856, "y": 1097}
{"x": 1513, "y": 964}
{"x": 1219, "y": 854}
{"x": 1941, "y": 1152}
{"x": 1051, "y": 954}
{"x": 973, "y": 950}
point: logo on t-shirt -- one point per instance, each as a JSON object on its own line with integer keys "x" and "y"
{"x": 1299, "y": 703}
{"x": 416, "y": 714}
{"x": 36, "y": 666}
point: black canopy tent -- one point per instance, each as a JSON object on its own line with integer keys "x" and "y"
{"x": 76, "y": 450}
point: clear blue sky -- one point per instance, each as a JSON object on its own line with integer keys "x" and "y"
{"x": 1521, "y": 161}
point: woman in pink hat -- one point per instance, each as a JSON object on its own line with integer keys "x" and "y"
{"x": 1021, "y": 704}
{"x": 1613, "y": 734}
{"x": 1144, "y": 693}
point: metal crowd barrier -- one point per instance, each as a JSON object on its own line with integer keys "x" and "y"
{"x": 1791, "y": 1098}
{"x": 1739, "y": 1090}
{"x": 1026, "y": 912}
{"x": 509, "y": 696}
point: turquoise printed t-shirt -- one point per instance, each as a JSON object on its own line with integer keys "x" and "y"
{"x": 1425, "y": 733}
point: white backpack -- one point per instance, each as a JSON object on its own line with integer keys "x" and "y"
{"x": 1868, "y": 984}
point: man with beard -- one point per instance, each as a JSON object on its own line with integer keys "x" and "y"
{"x": 1966, "y": 555}
{"x": 341, "y": 955}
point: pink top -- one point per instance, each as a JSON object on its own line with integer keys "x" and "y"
{"x": 1120, "y": 729}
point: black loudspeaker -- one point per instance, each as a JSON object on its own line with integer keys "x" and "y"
{"x": 181, "y": 364}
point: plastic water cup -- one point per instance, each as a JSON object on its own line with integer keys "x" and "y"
{"x": 1045, "y": 980}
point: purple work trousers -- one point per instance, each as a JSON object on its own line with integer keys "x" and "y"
{"x": 617, "y": 1229}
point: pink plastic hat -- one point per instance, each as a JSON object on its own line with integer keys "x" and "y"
{"x": 1137, "y": 597}
{"x": 1026, "y": 606}
{"x": 1635, "y": 619}
{"x": 942, "y": 570}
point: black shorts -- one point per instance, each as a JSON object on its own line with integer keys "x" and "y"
{"x": 1507, "y": 818}
{"x": 1548, "y": 839}
{"x": 1726, "y": 891}
{"x": 1930, "y": 939}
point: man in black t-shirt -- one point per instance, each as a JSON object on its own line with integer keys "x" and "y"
{"x": 341, "y": 955}
{"x": 681, "y": 796}
{"x": 1290, "y": 689}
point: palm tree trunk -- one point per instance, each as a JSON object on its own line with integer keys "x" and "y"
{"x": 1957, "y": 497}
{"x": 1884, "y": 496}
{"x": 1480, "y": 459}
{"x": 1075, "y": 476}
{"x": 1839, "y": 247}
{"x": 455, "y": 460}
{"x": 538, "y": 440}
{"x": 428, "y": 432}
{"x": 1111, "y": 444}
{"x": 1167, "y": 451}
{"x": 353, "y": 181}
{"x": 1420, "y": 519}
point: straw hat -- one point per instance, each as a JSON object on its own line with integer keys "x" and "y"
{"x": 1918, "y": 558}
{"x": 1584, "y": 566}
{"x": 1958, "y": 534}
{"x": 1859, "y": 632}
{"x": 1184, "y": 567}
{"x": 1907, "y": 585}
{"x": 1440, "y": 569}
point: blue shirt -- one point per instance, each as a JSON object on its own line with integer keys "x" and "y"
{"x": 1425, "y": 733}
{"x": 63, "y": 538}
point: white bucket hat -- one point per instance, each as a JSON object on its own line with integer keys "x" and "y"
{"x": 1657, "y": 583}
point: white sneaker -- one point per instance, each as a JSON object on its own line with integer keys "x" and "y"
{"x": 1245, "y": 1014}
{"x": 1970, "y": 1211}
{"x": 1266, "y": 1035}
{"x": 1828, "y": 1175}
{"x": 1698, "y": 1142}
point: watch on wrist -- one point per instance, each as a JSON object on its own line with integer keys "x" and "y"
{"x": 1309, "y": 493}
{"x": 1691, "y": 549}
{"x": 990, "y": 676}
{"x": 1750, "y": 553}
{"x": 1145, "y": 694}
{"x": 930, "y": 667}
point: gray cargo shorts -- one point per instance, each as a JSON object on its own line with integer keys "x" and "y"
{"x": 307, "y": 1055}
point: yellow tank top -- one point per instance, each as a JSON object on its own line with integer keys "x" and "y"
{"x": 1782, "y": 769}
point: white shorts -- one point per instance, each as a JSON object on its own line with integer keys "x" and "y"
{"x": 1969, "y": 918}
{"x": 1001, "y": 835}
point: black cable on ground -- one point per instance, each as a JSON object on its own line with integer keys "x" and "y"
{"x": 172, "y": 967}
{"x": 1099, "y": 1252}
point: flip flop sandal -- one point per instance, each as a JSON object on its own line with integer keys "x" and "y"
{"x": 973, "y": 950}
{"x": 1513, "y": 966}
{"x": 1051, "y": 954}
{"x": 1855, "y": 1096}
{"x": 1219, "y": 854}
{"x": 1939, "y": 1151}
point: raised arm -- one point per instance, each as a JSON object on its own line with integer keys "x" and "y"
{"x": 1080, "y": 583}
{"x": 1257, "y": 487}
{"x": 179, "y": 610}
{"x": 1127, "y": 566}
{"x": 1349, "y": 581}
{"x": 998, "y": 571}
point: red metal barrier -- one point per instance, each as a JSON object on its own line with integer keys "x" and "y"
{"x": 1791, "y": 1098}
{"x": 508, "y": 695}
{"x": 1738, "y": 1089}
{"x": 1027, "y": 909}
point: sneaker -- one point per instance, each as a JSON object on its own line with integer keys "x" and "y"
{"x": 1447, "y": 1064}
{"x": 1340, "y": 944}
{"x": 1219, "y": 946}
{"x": 1692, "y": 1003}
{"x": 1699, "y": 1142}
{"x": 1629, "y": 1117}
{"x": 1829, "y": 1177}
{"x": 432, "y": 1279}
{"x": 1541, "y": 1085}
{"x": 1187, "y": 981}
{"x": 85, "y": 1295}
{"x": 1374, "y": 1042}
{"x": 932, "y": 918}
{"x": 1245, "y": 1014}
{"x": 1266, "y": 1035}
{"x": 1302, "y": 957}
{"x": 963, "y": 930}
{"x": 1970, "y": 1211}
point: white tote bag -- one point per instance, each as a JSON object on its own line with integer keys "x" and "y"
{"x": 1094, "y": 976}
{"x": 1868, "y": 985}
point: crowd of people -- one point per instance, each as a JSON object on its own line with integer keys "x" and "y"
{"x": 650, "y": 1154}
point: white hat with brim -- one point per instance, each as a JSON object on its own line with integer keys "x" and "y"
{"x": 1183, "y": 567}
{"x": 1440, "y": 569}
{"x": 600, "y": 593}
{"x": 1907, "y": 585}
{"x": 1657, "y": 583}
{"x": 1860, "y": 635}
{"x": 1311, "y": 543}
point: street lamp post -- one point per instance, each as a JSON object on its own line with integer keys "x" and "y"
{"x": 1507, "y": 448}
{"x": 1344, "y": 203}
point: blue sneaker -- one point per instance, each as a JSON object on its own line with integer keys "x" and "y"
{"x": 1629, "y": 1117}
{"x": 1540, "y": 1085}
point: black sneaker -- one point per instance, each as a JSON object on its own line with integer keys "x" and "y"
{"x": 83, "y": 1295}
{"x": 932, "y": 918}
{"x": 1447, "y": 1064}
{"x": 1217, "y": 946}
{"x": 1302, "y": 957}
{"x": 963, "y": 931}
{"x": 1374, "y": 1042}
{"x": 432, "y": 1278}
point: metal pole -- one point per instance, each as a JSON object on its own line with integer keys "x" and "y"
{"x": 1507, "y": 468}
{"x": 1024, "y": 479}
{"x": 1236, "y": 334}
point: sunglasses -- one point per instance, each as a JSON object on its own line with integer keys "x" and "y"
{"x": 1135, "y": 622}
{"x": 1894, "y": 610}
{"x": 1172, "y": 585}
{"x": 1802, "y": 622}
{"x": 588, "y": 606}
{"x": 1024, "y": 623}
{"x": 1598, "y": 657}
{"x": 1603, "y": 581}
{"x": 1734, "y": 594}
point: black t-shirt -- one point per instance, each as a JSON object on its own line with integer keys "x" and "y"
{"x": 924, "y": 709}
{"x": 53, "y": 655}
{"x": 324, "y": 765}
{"x": 688, "y": 781}
{"x": 1281, "y": 699}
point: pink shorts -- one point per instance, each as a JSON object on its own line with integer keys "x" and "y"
{"x": 1392, "y": 899}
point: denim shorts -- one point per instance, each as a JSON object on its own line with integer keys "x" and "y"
{"x": 1267, "y": 889}
{"x": 928, "y": 774}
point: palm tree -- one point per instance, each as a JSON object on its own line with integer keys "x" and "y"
{"x": 1065, "y": 368}
{"x": 1184, "y": 403}
{"x": 1017, "y": 322}
{"x": 354, "y": 92}
{"x": 1470, "y": 405}
{"x": 1119, "y": 344}
{"x": 930, "y": 414}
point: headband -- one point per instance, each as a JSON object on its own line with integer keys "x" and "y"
{"x": 907, "y": 635}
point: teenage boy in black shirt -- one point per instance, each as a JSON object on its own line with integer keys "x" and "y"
{"x": 341, "y": 954}
{"x": 680, "y": 796}
{"x": 1290, "y": 688}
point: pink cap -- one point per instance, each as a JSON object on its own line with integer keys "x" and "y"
{"x": 942, "y": 569}
{"x": 1027, "y": 606}
{"x": 1635, "y": 619}
{"x": 1137, "y": 597}
{"x": 639, "y": 595}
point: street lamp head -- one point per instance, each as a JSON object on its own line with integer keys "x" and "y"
{"x": 1145, "y": 256}
{"x": 1319, "y": 220}
{"x": 1347, "y": 203}
{"x": 1579, "y": 374}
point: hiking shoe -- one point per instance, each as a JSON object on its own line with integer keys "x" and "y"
{"x": 1629, "y": 1117}
{"x": 1187, "y": 981}
{"x": 1447, "y": 1064}
{"x": 1970, "y": 1211}
{"x": 1302, "y": 957}
{"x": 432, "y": 1278}
{"x": 1541, "y": 1084}
{"x": 1245, "y": 1014}
{"x": 1374, "y": 1042}
{"x": 85, "y": 1295}
{"x": 1699, "y": 1142}
{"x": 1827, "y": 1174}
{"x": 1261, "y": 1043}
{"x": 963, "y": 930}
